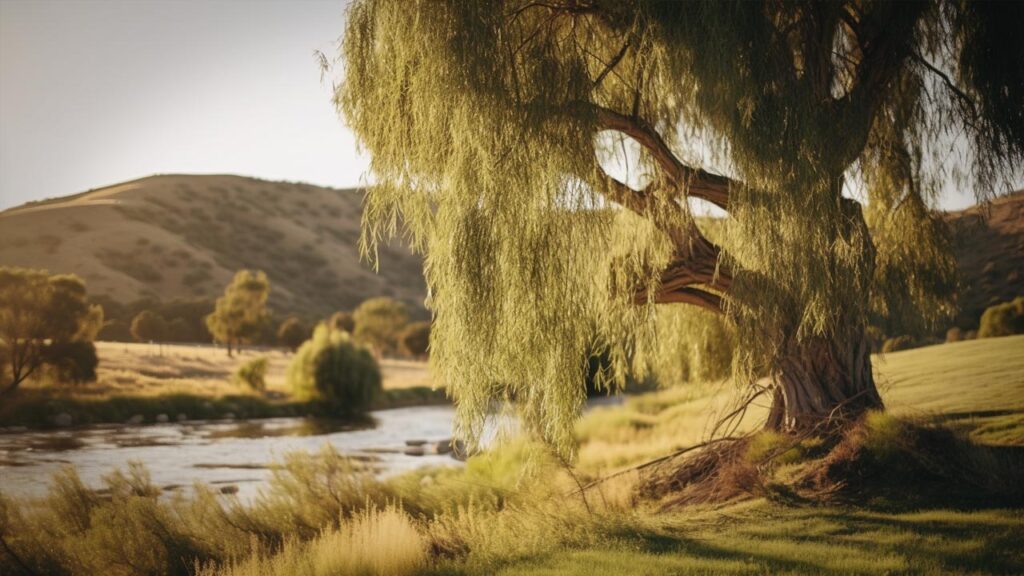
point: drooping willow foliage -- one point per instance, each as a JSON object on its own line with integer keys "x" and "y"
{"x": 492, "y": 128}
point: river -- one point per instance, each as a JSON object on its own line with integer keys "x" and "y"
{"x": 227, "y": 455}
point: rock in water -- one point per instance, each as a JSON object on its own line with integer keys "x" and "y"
{"x": 62, "y": 420}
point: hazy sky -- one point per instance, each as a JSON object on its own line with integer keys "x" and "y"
{"x": 95, "y": 92}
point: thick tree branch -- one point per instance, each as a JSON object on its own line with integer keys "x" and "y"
{"x": 693, "y": 296}
{"x": 637, "y": 201}
{"x": 695, "y": 182}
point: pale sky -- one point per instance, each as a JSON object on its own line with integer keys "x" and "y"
{"x": 95, "y": 92}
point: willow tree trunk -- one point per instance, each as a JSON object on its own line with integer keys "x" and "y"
{"x": 824, "y": 383}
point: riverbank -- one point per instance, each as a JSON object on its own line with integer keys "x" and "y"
{"x": 518, "y": 510}
{"x": 158, "y": 383}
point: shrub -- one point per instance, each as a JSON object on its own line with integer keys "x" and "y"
{"x": 331, "y": 368}
{"x": 1003, "y": 319}
{"x": 343, "y": 321}
{"x": 253, "y": 373}
{"x": 292, "y": 333}
{"x": 148, "y": 326}
{"x": 72, "y": 362}
{"x": 415, "y": 339}
{"x": 899, "y": 343}
{"x": 379, "y": 321}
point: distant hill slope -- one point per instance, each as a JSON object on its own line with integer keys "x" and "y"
{"x": 990, "y": 255}
{"x": 182, "y": 236}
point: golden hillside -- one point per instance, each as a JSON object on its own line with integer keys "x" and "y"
{"x": 181, "y": 236}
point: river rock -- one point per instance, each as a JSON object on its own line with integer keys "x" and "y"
{"x": 415, "y": 442}
{"x": 231, "y": 489}
{"x": 444, "y": 446}
{"x": 62, "y": 420}
{"x": 182, "y": 417}
{"x": 414, "y": 451}
{"x": 136, "y": 420}
{"x": 229, "y": 415}
{"x": 162, "y": 418}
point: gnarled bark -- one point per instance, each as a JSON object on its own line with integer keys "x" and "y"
{"x": 823, "y": 383}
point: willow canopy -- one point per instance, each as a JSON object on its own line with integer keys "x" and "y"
{"x": 554, "y": 159}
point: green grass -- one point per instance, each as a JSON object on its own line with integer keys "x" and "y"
{"x": 762, "y": 538}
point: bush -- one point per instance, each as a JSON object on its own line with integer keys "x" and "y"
{"x": 415, "y": 339}
{"x": 379, "y": 321}
{"x": 253, "y": 373}
{"x": 1003, "y": 319}
{"x": 343, "y": 321}
{"x": 899, "y": 343}
{"x": 72, "y": 362}
{"x": 292, "y": 333}
{"x": 331, "y": 368}
{"x": 148, "y": 326}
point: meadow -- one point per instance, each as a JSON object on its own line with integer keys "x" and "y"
{"x": 150, "y": 380}
{"x": 518, "y": 509}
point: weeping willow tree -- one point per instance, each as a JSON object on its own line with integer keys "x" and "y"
{"x": 499, "y": 132}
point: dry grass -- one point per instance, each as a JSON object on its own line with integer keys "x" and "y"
{"x": 161, "y": 369}
{"x": 173, "y": 235}
{"x": 374, "y": 542}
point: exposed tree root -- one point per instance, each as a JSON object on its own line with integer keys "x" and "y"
{"x": 878, "y": 459}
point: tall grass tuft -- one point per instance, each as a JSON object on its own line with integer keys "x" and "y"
{"x": 376, "y": 541}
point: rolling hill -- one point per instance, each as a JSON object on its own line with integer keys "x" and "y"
{"x": 989, "y": 245}
{"x": 172, "y": 237}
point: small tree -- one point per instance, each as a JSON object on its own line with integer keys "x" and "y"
{"x": 292, "y": 333}
{"x": 241, "y": 311}
{"x": 1003, "y": 319}
{"x": 253, "y": 374}
{"x": 415, "y": 339}
{"x": 379, "y": 321}
{"x": 40, "y": 315}
{"x": 331, "y": 368}
{"x": 343, "y": 321}
{"x": 148, "y": 326}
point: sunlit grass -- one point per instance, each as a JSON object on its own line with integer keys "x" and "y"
{"x": 375, "y": 542}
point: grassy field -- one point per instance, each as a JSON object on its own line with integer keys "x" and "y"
{"x": 198, "y": 381}
{"x": 518, "y": 510}
{"x": 976, "y": 386}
